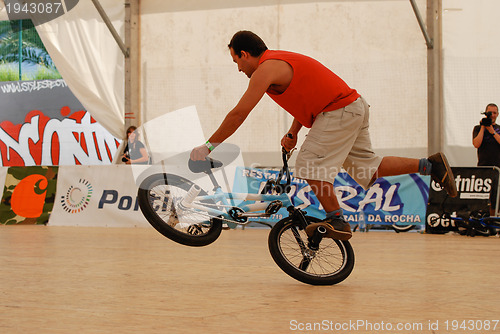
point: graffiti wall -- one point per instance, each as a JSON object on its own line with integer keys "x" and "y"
{"x": 42, "y": 123}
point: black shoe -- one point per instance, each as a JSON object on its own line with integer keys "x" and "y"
{"x": 442, "y": 174}
{"x": 336, "y": 228}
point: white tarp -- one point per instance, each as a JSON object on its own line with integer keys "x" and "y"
{"x": 185, "y": 62}
{"x": 471, "y": 58}
{"x": 90, "y": 60}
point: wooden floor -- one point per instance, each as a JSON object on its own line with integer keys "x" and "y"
{"x": 133, "y": 280}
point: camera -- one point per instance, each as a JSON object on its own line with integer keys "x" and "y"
{"x": 126, "y": 157}
{"x": 487, "y": 121}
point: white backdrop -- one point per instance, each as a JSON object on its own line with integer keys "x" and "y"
{"x": 186, "y": 61}
{"x": 90, "y": 60}
{"x": 376, "y": 46}
{"x": 471, "y": 47}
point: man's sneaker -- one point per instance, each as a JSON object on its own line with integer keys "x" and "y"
{"x": 336, "y": 228}
{"x": 442, "y": 174}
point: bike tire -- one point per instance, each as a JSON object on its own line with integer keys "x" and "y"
{"x": 159, "y": 196}
{"x": 402, "y": 228}
{"x": 332, "y": 263}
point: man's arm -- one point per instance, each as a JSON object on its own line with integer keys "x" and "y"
{"x": 260, "y": 81}
{"x": 478, "y": 139}
{"x": 492, "y": 131}
{"x": 289, "y": 142}
{"x": 233, "y": 120}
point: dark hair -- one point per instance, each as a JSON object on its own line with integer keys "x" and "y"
{"x": 491, "y": 105}
{"x": 131, "y": 129}
{"x": 247, "y": 41}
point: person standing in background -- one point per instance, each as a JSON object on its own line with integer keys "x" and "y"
{"x": 135, "y": 152}
{"x": 486, "y": 138}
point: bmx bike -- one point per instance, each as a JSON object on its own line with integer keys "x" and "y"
{"x": 182, "y": 211}
{"x": 477, "y": 222}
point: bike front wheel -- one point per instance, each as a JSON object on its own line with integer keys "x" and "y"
{"x": 330, "y": 264}
{"x": 160, "y": 196}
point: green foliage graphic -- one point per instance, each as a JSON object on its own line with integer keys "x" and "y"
{"x": 16, "y": 36}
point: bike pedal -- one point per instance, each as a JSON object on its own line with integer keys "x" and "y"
{"x": 274, "y": 207}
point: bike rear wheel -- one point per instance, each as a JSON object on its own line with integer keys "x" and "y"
{"x": 330, "y": 264}
{"x": 159, "y": 197}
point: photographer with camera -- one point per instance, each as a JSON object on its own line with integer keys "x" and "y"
{"x": 486, "y": 138}
{"x": 135, "y": 152}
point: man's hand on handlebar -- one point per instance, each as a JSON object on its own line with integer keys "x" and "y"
{"x": 289, "y": 141}
{"x": 199, "y": 153}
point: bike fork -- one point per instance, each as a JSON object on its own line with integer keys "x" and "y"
{"x": 316, "y": 238}
{"x": 319, "y": 233}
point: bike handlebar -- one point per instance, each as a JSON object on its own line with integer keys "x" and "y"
{"x": 276, "y": 185}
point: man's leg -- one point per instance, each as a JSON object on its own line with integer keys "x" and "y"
{"x": 325, "y": 192}
{"x": 436, "y": 165}
{"x": 335, "y": 223}
{"x": 337, "y": 227}
{"x": 396, "y": 166}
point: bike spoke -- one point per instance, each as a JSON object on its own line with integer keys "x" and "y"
{"x": 305, "y": 258}
{"x": 296, "y": 234}
{"x": 328, "y": 259}
{"x": 165, "y": 200}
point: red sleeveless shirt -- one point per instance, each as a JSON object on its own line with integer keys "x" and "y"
{"x": 313, "y": 89}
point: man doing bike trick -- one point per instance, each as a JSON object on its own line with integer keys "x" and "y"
{"x": 338, "y": 119}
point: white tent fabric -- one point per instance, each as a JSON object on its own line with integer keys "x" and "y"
{"x": 471, "y": 57}
{"x": 185, "y": 62}
{"x": 90, "y": 60}
{"x": 3, "y": 12}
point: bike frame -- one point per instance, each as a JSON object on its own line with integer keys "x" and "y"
{"x": 226, "y": 200}
{"x": 245, "y": 209}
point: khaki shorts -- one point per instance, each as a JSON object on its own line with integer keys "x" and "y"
{"x": 337, "y": 139}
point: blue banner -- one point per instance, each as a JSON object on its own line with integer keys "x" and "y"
{"x": 390, "y": 200}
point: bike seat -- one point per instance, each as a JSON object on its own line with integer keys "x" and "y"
{"x": 201, "y": 166}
